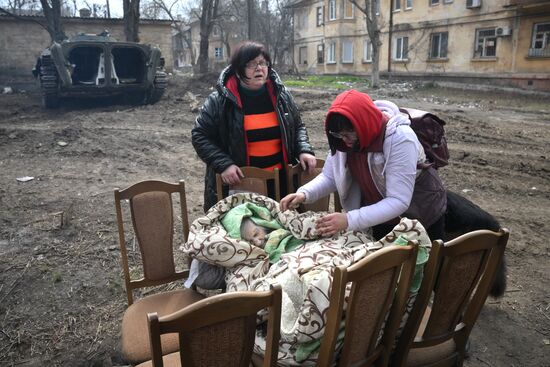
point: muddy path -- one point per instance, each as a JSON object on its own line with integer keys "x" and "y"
{"x": 61, "y": 284}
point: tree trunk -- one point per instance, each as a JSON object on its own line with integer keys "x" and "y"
{"x": 53, "y": 18}
{"x": 131, "y": 20}
{"x": 209, "y": 13}
{"x": 375, "y": 72}
{"x": 250, "y": 18}
{"x": 203, "y": 55}
{"x": 374, "y": 36}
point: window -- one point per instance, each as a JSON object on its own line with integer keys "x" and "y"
{"x": 331, "y": 53}
{"x": 320, "y": 17}
{"x": 400, "y": 50}
{"x": 486, "y": 43}
{"x": 396, "y": 5}
{"x": 376, "y": 6}
{"x": 447, "y": 1}
{"x": 434, "y": 2}
{"x": 320, "y": 53}
{"x": 300, "y": 19}
{"x": 215, "y": 31}
{"x": 332, "y": 10}
{"x": 218, "y": 53}
{"x": 347, "y": 52}
{"x": 540, "y": 45}
{"x": 408, "y": 4}
{"x": 349, "y": 9}
{"x": 302, "y": 55}
{"x": 438, "y": 45}
{"x": 367, "y": 51}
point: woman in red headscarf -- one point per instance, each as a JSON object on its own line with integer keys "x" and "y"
{"x": 378, "y": 167}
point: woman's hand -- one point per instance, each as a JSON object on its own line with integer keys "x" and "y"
{"x": 331, "y": 224}
{"x": 308, "y": 162}
{"x": 292, "y": 201}
{"x": 232, "y": 175}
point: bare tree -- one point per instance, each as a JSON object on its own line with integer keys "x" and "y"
{"x": 208, "y": 16}
{"x": 131, "y": 19}
{"x": 370, "y": 9}
{"x": 152, "y": 9}
{"x": 250, "y": 17}
{"x": 171, "y": 10}
{"x": 52, "y": 13}
{"x": 20, "y": 7}
{"x": 273, "y": 25}
{"x": 97, "y": 10}
{"x": 233, "y": 23}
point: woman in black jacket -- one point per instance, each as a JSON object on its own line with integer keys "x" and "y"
{"x": 250, "y": 120}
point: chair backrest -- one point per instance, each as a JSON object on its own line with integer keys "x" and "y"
{"x": 220, "y": 330}
{"x": 297, "y": 177}
{"x": 151, "y": 211}
{"x": 379, "y": 284}
{"x": 457, "y": 278}
{"x": 255, "y": 180}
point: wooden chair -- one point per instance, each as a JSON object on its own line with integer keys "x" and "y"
{"x": 379, "y": 284}
{"x": 458, "y": 275}
{"x": 255, "y": 180}
{"x": 151, "y": 212}
{"x": 218, "y": 331}
{"x": 297, "y": 177}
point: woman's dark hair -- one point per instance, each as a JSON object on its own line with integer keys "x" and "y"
{"x": 245, "y": 52}
{"x": 337, "y": 122}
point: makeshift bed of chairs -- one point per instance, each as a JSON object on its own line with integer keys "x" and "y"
{"x": 183, "y": 328}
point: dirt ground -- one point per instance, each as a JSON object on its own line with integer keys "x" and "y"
{"x": 61, "y": 285}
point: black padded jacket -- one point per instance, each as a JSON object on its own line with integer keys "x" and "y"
{"x": 218, "y": 134}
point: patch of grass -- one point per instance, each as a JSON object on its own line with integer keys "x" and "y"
{"x": 326, "y": 81}
{"x": 115, "y": 287}
{"x": 56, "y": 276}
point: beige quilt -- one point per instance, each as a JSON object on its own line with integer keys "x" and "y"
{"x": 304, "y": 274}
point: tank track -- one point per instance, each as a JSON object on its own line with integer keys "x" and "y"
{"x": 159, "y": 86}
{"x": 49, "y": 81}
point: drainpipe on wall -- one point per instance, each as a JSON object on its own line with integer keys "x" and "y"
{"x": 515, "y": 37}
{"x": 389, "y": 38}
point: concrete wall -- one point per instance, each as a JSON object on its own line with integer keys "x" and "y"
{"x": 21, "y": 42}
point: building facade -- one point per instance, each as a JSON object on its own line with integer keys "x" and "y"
{"x": 504, "y": 42}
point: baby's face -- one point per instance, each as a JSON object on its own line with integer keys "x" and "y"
{"x": 253, "y": 233}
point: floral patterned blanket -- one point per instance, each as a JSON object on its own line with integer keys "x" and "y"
{"x": 305, "y": 274}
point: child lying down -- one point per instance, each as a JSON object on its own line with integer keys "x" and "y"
{"x": 269, "y": 246}
{"x": 251, "y": 223}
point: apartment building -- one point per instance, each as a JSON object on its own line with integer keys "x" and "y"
{"x": 505, "y": 42}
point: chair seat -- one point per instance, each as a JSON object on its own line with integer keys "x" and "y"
{"x": 169, "y": 360}
{"x": 135, "y": 333}
{"x": 426, "y": 356}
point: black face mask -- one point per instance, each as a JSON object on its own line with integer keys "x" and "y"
{"x": 337, "y": 144}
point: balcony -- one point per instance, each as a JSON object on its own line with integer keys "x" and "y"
{"x": 539, "y": 52}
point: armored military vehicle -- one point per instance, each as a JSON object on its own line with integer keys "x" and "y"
{"x": 98, "y": 65}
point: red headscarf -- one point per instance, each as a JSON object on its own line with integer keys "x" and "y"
{"x": 358, "y": 108}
